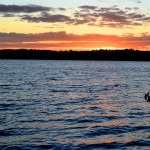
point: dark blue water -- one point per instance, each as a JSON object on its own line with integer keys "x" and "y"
{"x": 74, "y": 105}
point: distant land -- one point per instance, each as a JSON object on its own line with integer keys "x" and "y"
{"x": 120, "y": 55}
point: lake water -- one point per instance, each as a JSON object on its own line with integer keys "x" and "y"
{"x": 74, "y": 105}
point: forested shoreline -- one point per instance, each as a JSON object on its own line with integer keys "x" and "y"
{"x": 124, "y": 55}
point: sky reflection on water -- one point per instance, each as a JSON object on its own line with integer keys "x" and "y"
{"x": 74, "y": 104}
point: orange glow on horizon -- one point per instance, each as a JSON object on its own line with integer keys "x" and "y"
{"x": 76, "y": 28}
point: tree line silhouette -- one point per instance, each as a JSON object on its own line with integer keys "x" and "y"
{"x": 124, "y": 55}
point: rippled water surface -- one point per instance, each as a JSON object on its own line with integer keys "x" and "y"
{"x": 74, "y": 105}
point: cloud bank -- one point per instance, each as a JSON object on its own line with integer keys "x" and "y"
{"x": 62, "y": 40}
{"x": 22, "y": 8}
{"x": 113, "y": 16}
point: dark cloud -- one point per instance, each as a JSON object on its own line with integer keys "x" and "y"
{"x": 64, "y": 40}
{"x": 87, "y": 7}
{"x": 22, "y": 8}
{"x": 63, "y": 36}
{"x": 145, "y": 19}
{"x": 137, "y": 1}
{"x": 52, "y": 36}
{"x": 136, "y": 16}
{"x": 114, "y": 17}
{"x": 111, "y": 16}
{"x": 128, "y": 8}
{"x": 105, "y": 16}
{"x": 91, "y": 15}
{"x": 45, "y": 17}
{"x": 62, "y": 9}
{"x": 135, "y": 8}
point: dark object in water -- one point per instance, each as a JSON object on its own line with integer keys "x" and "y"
{"x": 147, "y": 97}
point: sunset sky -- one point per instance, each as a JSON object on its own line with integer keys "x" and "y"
{"x": 75, "y": 24}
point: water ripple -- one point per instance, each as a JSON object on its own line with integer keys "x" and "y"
{"x": 74, "y": 105}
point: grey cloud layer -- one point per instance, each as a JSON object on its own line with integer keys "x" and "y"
{"x": 90, "y": 15}
{"x": 45, "y": 17}
{"x": 63, "y": 36}
{"x": 22, "y": 8}
{"x": 52, "y": 36}
{"x": 62, "y": 39}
